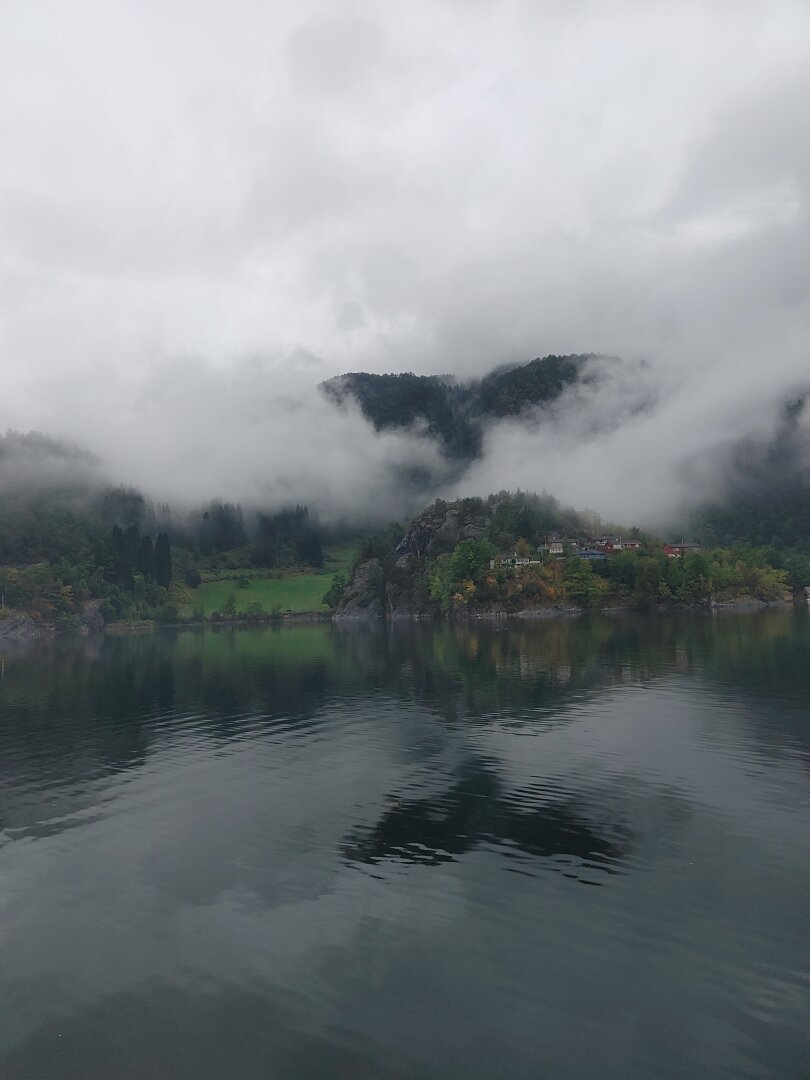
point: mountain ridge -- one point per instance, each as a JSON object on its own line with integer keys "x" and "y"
{"x": 456, "y": 412}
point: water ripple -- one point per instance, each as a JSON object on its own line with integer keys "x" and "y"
{"x": 576, "y": 851}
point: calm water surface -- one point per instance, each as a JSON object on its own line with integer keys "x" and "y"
{"x": 574, "y": 849}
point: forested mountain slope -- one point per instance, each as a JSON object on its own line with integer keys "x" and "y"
{"x": 456, "y": 412}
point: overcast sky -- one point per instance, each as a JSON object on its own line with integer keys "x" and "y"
{"x": 206, "y": 207}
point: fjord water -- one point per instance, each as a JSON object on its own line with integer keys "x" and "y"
{"x": 574, "y": 848}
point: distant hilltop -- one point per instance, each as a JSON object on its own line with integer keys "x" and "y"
{"x": 456, "y": 412}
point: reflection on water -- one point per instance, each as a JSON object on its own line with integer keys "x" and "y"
{"x": 474, "y": 809}
{"x": 310, "y": 851}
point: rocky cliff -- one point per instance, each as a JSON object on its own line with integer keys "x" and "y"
{"x": 397, "y": 586}
{"x": 364, "y": 596}
{"x": 436, "y": 531}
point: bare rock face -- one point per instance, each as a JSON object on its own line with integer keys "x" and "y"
{"x": 437, "y": 530}
{"x": 19, "y": 628}
{"x": 398, "y": 588}
{"x": 92, "y": 619}
{"x": 363, "y": 596}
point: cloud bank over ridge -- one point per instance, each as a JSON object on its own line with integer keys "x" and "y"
{"x": 207, "y": 208}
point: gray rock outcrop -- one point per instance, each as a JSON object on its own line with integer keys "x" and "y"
{"x": 398, "y": 587}
{"x": 20, "y": 628}
{"x": 363, "y": 596}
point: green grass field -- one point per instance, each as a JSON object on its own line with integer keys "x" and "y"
{"x": 295, "y": 592}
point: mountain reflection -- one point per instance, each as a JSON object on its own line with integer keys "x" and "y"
{"x": 107, "y": 704}
{"x": 477, "y": 809}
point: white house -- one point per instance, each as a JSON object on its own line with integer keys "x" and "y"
{"x": 514, "y": 560}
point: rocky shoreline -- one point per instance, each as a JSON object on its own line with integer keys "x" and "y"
{"x": 23, "y": 628}
{"x": 20, "y": 628}
{"x": 374, "y": 613}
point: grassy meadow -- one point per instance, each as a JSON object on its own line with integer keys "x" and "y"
{"x": 294, "y": 591}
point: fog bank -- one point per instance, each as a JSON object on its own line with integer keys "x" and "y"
{"x": 207, "y": 209}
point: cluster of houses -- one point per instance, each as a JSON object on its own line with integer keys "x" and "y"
{"x": 594, "y": 549}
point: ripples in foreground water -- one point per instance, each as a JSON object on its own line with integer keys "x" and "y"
{"x": 578, "y": 849}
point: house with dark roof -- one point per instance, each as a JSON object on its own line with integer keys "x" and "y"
{"x": 606, "y": 543}
{"x": 676, "y": 551}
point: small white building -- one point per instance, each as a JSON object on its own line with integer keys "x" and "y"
{"x": 559, "y": 545}
{"x": 514, "y": 560}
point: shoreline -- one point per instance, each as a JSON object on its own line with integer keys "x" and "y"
{"x": 22, "y": 627}
{"x": 743, "y": 603}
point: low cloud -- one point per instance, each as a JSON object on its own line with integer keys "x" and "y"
{"x": 207, "y": 209}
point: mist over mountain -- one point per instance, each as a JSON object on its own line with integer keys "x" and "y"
{"x": 36, "y": 466}
{"x": 300, "y": 190}
{"x": 457, "y": 412}
{"x": 377, "y": 445}
{"x": 764, "y": 494}
{"x": 80, "y": 544}
{"x": 363, "y": 448}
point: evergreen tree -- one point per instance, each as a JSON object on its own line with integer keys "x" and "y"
{"x": 120, "y": 566}
{"x": 146, "y": 558}
{"x": 132, "y": 547}
{"x": 163, "y": 561}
